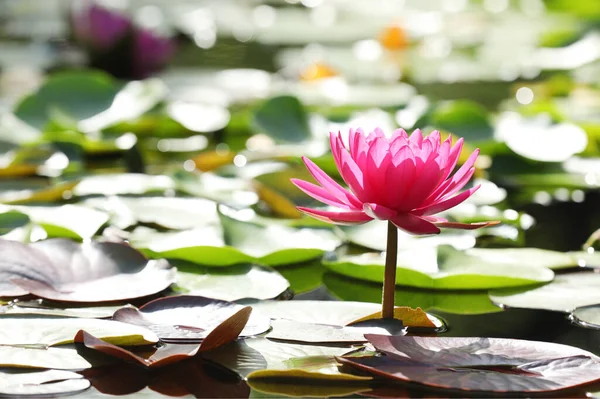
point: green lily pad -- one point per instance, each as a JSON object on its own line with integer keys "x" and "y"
{"x": 124, "y": 183}
{"x": 444, "y": 268}
{"x": 41, "y": 308}
{"x": 309, "y": 376}
{"x": 566, "y": 293}
{"x": 272, "y": 242}
{"x": 226, "y": 190}
{"x": 534, "y": 257}
{"x": 464, "y": 118}
{"x": 15, "y": 131}
{"x": 303, "y": 277}
{"x": 243, "y": 238}
{"x": 283, "y": 119}
{"x": 45, "y": 331}
{"x": 38, "y": 356}
{"x": 131, "y": 102}
{"x": 68, "y": 221}
{"x": 331, "y": 313}
{"x": 175, "y": 213}
{"x": 202, "y": 118}
{"x": 373, "y": 235}
{"x": 469, "y": 302}
{"x": 587, "y": 316}
{"x": 41, "y": 383}
{"x": 230, "y": 283}
{"x": 34, "y": 191}
{"x": 312, "y": 333}
{"x": 13, "y": 225}
{"x": 244, "y": 357}
{"x": 538, "y": 139}
{"x": 202, "y": 245}
{"x": 78, "y": 94}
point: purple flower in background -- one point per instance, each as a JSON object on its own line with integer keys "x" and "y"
{"x": 113, "y": 43}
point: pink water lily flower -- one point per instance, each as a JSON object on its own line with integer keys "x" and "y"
{"x": 403, "y": 179}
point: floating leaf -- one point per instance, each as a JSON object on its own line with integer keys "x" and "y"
{"x": 410, "y": 317}
{"x": 45, "y": 331}
{"x": 289, "y": 330}
{"x": 124, "y": 183}
{"x": 63, "y": 270}
{"x": 480, "y": 364}
{"x": 272, "y": 243}
{"x": 11, "y": 221}
{"x": 131, "y": 102}
{"x": 202, "y": 118}
{"x": 244, "y": 238}
{"x": 373, "y": 235}
{"x": 284, "y": 119}
{"x": 179, "y": 346}
{"x": 444, "y": 268}
{"x": 175, "y": 213}
{"x": 37, "y": 356}
{"x": 41, "y": 383}
{"x": 564, "y": 294}
{"x": 587, "y": 316}
{"x": 458, "y": 302}
{"x": 190, "y": 319}
{"x": 330, "y": 313}
{"x": 79, "y": 94}
{"x": 231, "y": 283}
{"x": 303, "y": 277}
{"x": 24, "y": 192}
{"x": 69, "y": 221}
{"x": 231, "y": 191}
{"x": 464, "y": 118}
{"x": 246, "y": 356}
{"x": 312, "y": 376}
{"x": 40, "y": 308}
{"x": 539, "y": 139}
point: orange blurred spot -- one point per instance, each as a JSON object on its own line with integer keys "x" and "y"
{"x": 394, "y": 38}
{"x": 317, "y": 71}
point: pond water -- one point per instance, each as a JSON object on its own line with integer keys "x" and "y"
{"x": 193, "y": 162}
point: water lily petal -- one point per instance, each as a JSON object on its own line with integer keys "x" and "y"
{"x": 331, "y": 185}
{"x": 379, "y": 211}
{"x": 448, "y": 203}
{"x": 416, "y": 138}
{"x": 399, "y": 177}
{"x": 414, "y": 225}
{"x": 320, "y": 194}
{"x": 337, "y": 217}
{"x": 424, "y": 183}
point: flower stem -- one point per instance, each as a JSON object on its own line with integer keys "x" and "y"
{"x": 389, "y": 278}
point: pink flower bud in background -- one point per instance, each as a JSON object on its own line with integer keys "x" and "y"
{"x": 98, "y": 27}
{"x": 406, "y": 180}
{"x": 115, "y": 44}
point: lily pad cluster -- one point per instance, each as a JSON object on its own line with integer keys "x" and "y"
{"x": 149, "y": 236}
